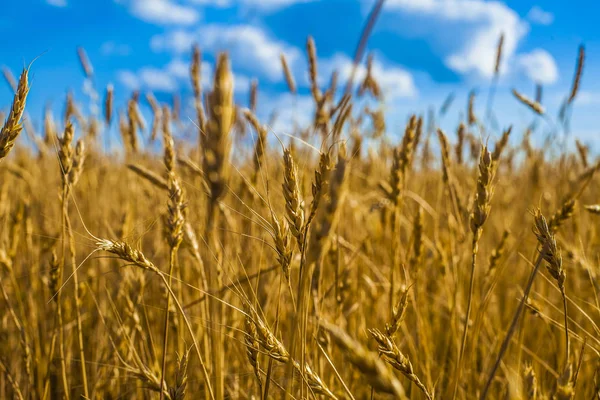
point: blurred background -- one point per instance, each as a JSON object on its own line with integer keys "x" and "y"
{"x": 425, "y": 52}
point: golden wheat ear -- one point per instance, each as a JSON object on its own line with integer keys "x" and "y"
{"x": 532, "y": 104}
{"x": 12, "y": 126}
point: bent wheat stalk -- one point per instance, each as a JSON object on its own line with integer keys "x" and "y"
{"x": 480, "y": 214}
{"x": 126, "y": 253}
{"x": 546, "y": 239}
{"x": 174, "y": 222}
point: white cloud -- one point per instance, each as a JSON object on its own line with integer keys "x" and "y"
{"x": 158, "y": 79}
{"x": 129, "y": 79}
{"x": 476, "y": 26}
{"x": 241, "y": 83}
{"x": 395, "y": 82}
{"x": 255, "y": 51}
{"x": 180, "y": 69}
{"x": 264, "y": 5}
{"x": 149, "y": 78}
{"x": 112, "y": 48}
{"x": 57, "y": 3}
{"x": 273, "y": 4}
{"x": 248, "y": 45}
{"x": 162, "y": 12}
{"x": 539, "y": 66}
{"x": 166, "y": 79}
{"x": 177, "y": 41}
{"x": 289, "y": 112}
{"x": 538, "y": 16}
{"x": 172, "y": 76}
{"x": 585, "y": 98}
{"x": 212, "y": 3}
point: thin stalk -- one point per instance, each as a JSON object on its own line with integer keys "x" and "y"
{"x": 57, "y": 320}
{"x": 60, "y": 322}
{"x": 567, "y": 340}
{"x": 215, "y": 306}
{"x": 467, "y": 316}
{"x": 77, "y": 312}
{"x": 191, "y": 332}
{"x": 513, "y": 325}
{"x": 58, "y": 326}
{"x": 172, "y": 258}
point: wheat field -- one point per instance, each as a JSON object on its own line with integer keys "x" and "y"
{"x": 344, "y": 260}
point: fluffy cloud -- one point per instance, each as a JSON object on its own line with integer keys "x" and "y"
{"x": 174, "y": 76}
{"x": 165, "y": 79}
{"x": 539, "y": 66}
{"x": 57, "y": 3}
{"x": 264, "y": 5}
{"x": 149, "y": 78}
{"x": 129, "y": 79}
{"x": 476, "y": 26}
{"x": 181, "y": 70}
{"x": 538, "y": 16}
{"x": 395, "y": 82}
{"x": 248, "y": 45}
{"x": 289, "y": 111}
{"x": 585, "y": 98}
{"x": 176, "y": 41}
{"x": 273, "y": 4}
{"x": 254, "y": 50}
{"x": 162, "y": 12}
{"x": 212, "y": 3}
{"x": 241, "y": 83}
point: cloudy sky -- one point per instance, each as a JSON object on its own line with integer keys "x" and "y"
{"x": 424, "y": 49}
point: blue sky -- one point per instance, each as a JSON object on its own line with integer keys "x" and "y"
{"x": 424, "y": 49}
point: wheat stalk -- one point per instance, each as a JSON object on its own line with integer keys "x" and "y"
{"x": 108, "y": 104}
{"x": 481, "y": 211}
{"x": 289, "y": 78}
{"x": 544, "y": 234}
{"x": 367, "y": 363}
{"x": 216, "y": 144}
{"x": 127, "y": 253}
{"x": 578, "y": 74}
{"x": 532, "y": 104}
{"x": 393, "y": 356}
